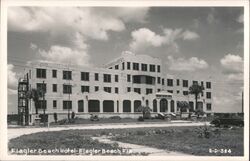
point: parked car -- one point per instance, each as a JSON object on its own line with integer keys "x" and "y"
{"x": 227, "y": 122}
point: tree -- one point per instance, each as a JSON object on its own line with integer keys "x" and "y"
{"x": 196, "y": 89}
{"x": 35, "y": 95}
{"x": 145, "y": 111}
{"x": 183, "y": 105}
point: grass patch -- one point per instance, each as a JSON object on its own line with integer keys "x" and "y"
{"x": 180, "y": 139}
{"x": 187, "y": 141}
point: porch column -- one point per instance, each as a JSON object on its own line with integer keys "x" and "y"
{"x": 132, "y": 106}
{"x": 101, "y": 106}
{"x": 158, "y": 105}
{"x": 86, "y": 106}
{"x": 116, "y": 105}
{"x": 169, "y": 106}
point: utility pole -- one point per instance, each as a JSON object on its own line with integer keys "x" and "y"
{"x": 43, "y": 103}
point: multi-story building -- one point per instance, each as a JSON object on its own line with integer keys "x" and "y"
{"x": 117, "y": 89}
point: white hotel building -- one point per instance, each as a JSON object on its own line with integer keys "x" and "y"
{"x": 118, "y": 89}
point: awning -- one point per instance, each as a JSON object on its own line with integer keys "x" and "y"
{"x": 164, "y": 94}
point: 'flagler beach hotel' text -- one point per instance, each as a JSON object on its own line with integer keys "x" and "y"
{"x": 118, "y": 89}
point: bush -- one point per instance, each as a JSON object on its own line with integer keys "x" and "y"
{"x": 203, "y": 131}
{"x": 140, "y": 118}
{"x": 140, "y": 133}
{"x": 115, "y": 117}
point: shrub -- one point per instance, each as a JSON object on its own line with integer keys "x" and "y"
{"x": 73, "y": 115}
{"x": 115, "y": 117}
{"x": 55, "y": 117}
{"x": 140, "y": 118}
{"x": 203, "y": 131}
{"x": 140, "y": 133}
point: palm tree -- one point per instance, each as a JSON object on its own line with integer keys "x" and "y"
{"x": 35, "y": 95}
{"x": 183, "y": 105}
{"x": 196, "y": 89}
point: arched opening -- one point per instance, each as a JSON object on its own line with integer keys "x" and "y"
{"x": 137, "y": 104}
{"x": 108, "y": 106}
{"x": 80, "y": 106}
{"x": 147, "y": 103}
{"x": 172, "y": 105}
{"x": 94, "y": 105}
{"x": 163, "y": 105}
{"x": 191, "y": 105}
{"x": 126, "y": 106}
{"x": 154, "y": 105}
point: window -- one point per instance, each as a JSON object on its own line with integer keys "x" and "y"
{"x": 158, "y": 68}
{"x": 96, "y": 88}
{"x": 96, "y": 77}
{"x": 54, "y": 104}
{"x": 41, "y": 73}
{"x": 128, "y": 89}
{"x": 42, "y": 87}
{"x": 185, "y": 83}
{"x": 202, "y": 94}
{"x": 162, "y": 81}
{"x": 67, "y": 89}
{"x": 209, "y": 106}
{"x": 135, "y": 66}
{"x": 195, "y": 82}
{"x": 170, "y": 91}
{"x": 185, "y": 93}
{"x": 107, "y": 89}
{"x": 54, "y": 73}
{"x": 107, "y": 78}
{"x": 67, "y": 105}
{"x": 42, "y": 104}
{"x": 202, "y": 83}
{"x": 128, "y": 65}
{"x": 116, "y": 78}
{"x": 208, "y": 85}
{"x": 159, "y": 80}
{"x": 144, "y": 67}
{"x": 137, "y": 90}
{"x": 158, "y": 90}
{"x": 208, "y": 95}
{"x": 177, "y": 91}
{"x": 116, "y": 90}
{"x": 177, "y": 82}
{"x": 54, "y": 87}
{"x": 85, "y": 76}
{"x": 67, "y": 75}
{"x": 123, "y": 66}
{"x": 128, "y": 78}
{"x": 152, "y": 68}
{"x": 85, "y": 89}
{"x": 149, "y": 90}
{"x": 170, "y": 82}
{"x": 116, "y": 66}
{"x": 110, "y": 68}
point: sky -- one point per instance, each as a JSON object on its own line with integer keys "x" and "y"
{"x": 193, "y": 42}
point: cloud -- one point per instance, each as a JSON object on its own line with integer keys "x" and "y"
{"x": 181, "y": 64}
{"x": 92, "y": 22}
{"x": 65, "y": 55}
{"x": 240, "y": 19}
{"x": 188, "y": 35}
{"x": 232, "y": 66}
{"x": 211, "y": 17}
{"x": 33, "y": 46}
{"x": 144, "y": 37}
{"x": 12, "y": 78}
